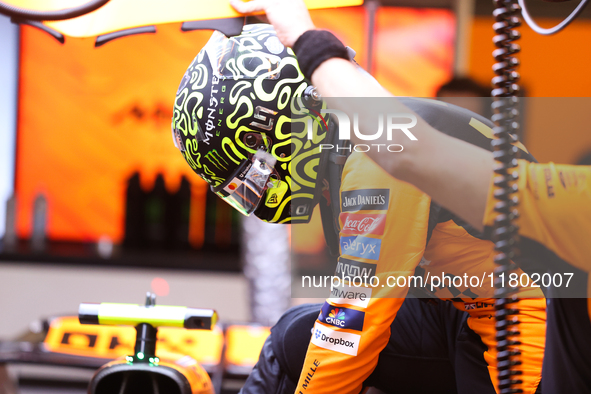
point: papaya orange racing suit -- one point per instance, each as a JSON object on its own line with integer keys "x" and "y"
{"x": 410, "y": 236}
{"x": 555, "y": 229}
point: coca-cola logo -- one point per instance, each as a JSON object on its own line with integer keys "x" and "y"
{"x": 353, "y": 223}
{"x": 364, "y": 225}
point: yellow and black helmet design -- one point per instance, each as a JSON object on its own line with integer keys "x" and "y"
{"x": 240, "y": 124}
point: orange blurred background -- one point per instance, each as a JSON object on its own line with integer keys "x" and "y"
{"x": 90, "y": 117}
{"x": 552, "y": 67}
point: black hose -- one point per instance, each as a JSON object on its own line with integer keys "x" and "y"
{"x": 57, "y": 15}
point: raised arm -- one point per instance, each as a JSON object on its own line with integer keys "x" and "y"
{"x": 454, "y": 173}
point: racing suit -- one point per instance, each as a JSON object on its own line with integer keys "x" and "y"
{"x": 358, "y": 328}
{"x": 415, "y": 233}
{"x": 426, "y": 338}
{"x": 554, "y": 228}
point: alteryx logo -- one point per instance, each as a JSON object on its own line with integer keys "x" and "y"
{"x": 342, "y": 317}
{"x": 386, "y": 123}
{"x": 362, "y": 247}
{"x": 337, "y": 341}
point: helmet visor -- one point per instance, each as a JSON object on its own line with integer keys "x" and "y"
{"x": 246, "y": 189}
{"x": 243, "y": 57}
{"x": 176, "y": 137}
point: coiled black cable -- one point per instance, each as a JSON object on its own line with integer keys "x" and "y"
{"x": 57, "y": 15}
{"x": 505, "y": 113}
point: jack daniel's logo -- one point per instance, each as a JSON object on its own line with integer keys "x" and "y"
{"x": 365, "y": 199}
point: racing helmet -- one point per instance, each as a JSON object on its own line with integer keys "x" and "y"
{"x": 248, "y": 122}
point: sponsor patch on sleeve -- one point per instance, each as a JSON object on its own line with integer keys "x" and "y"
{"x": 363, "y": 224}
{"x": 362, "y": 247}
{"x": 365, "y": 200}
{"x": 350, "y": 295}
{"x": 341, "y": 317}
{"x": 351, "y": 268}
{"x": 340, "y": 342}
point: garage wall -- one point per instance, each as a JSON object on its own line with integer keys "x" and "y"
{"x": 8, "y": 86}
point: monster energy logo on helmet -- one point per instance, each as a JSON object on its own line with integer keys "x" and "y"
{"x": 240, "y": 95}
{"x": 217, "y": 160}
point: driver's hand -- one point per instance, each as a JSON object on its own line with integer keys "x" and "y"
{"x": 290, "y": 18}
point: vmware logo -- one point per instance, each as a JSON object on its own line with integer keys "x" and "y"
{"x": 344, "y": 294}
